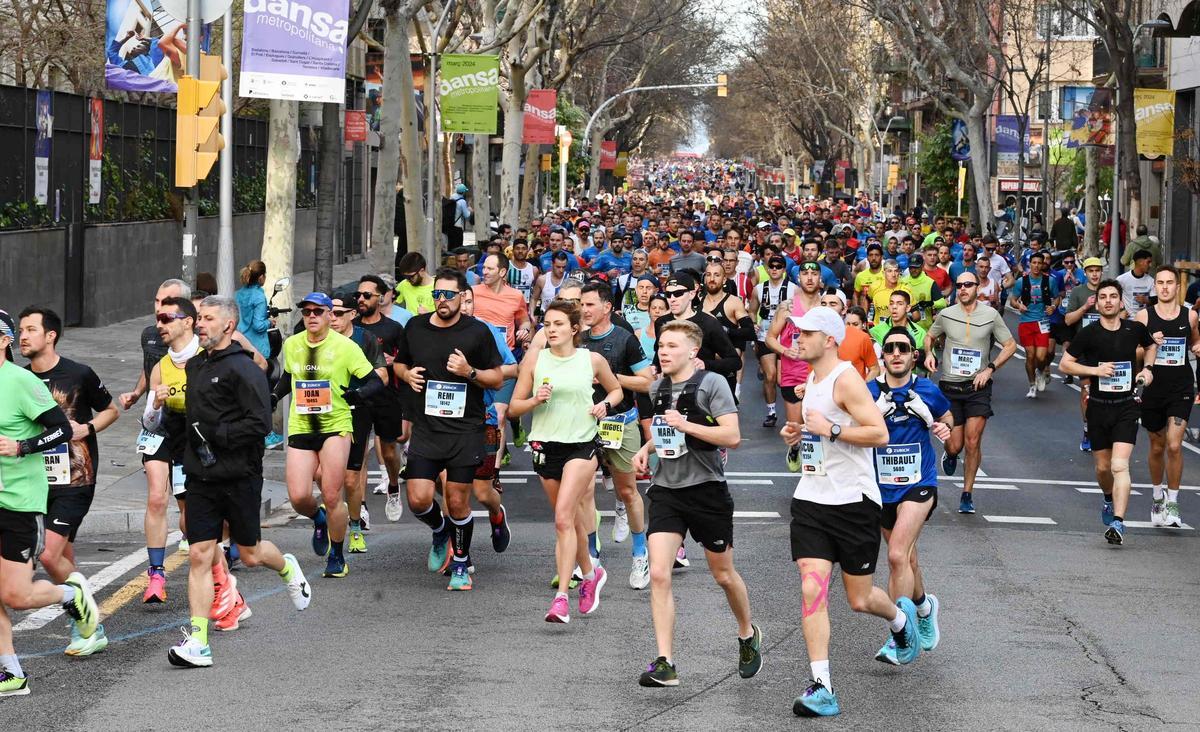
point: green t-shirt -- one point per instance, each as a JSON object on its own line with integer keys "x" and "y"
{"x": 23, "y": 484}
{"x": 320, "y": 371}
{"x": 415, "y": 297}
{"x": 924, "y": 289}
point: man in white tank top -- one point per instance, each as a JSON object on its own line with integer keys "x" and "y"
{"x": 836, "y": 507}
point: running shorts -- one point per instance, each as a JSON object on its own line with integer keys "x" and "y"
{"x": 915, "y": 494}
{"x": 549, "y": 458}
{"x": 66, "y": 507}
{"x": 1030, "y": 335}
{"x": 704, "y": 510}
{"x": 19, "y": 536}
{"x": 846, "y": 534}
{"x": 1110, "y": 422}
{"x": 967, "y": 401}
{"x": 212, "y": 503}
{"x": 1160, "y": 405}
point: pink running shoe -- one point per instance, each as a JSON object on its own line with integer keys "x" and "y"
{"x": 224, "y": 595}
{"x": 589, "y": 591}
{"x": 156, "y": 588}
{"x": 240, "y": 611}
{"x": 560, "y": 611}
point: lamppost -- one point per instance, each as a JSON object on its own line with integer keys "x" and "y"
{"x": 880, "y": 136}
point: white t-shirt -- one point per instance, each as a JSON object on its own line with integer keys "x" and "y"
{"x": 999, "y": 269}
{"x": 1134, "y": 286}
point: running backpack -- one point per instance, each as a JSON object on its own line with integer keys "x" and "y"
{"x": 1027, "y": 290}
{"x": 687, "y": 406}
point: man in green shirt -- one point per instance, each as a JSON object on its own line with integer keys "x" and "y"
{"x": 1140, "y": 242}
{"x": 926, "y": 295}
{"x": 898, "y": 318}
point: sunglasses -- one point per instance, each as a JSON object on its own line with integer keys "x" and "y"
{"x": 897, "y": 347}
{"x": 342, "y": 312}
{"x": 965, "y": 285}
{"x": 444, "y": 294}
{"x": 166, "y": 318}
{"x": 715, "y": 259}
{"x": 312, "y": 312}
{"x": 365, "y": 295}
{"x": 776, "y": 266}
{"x": 1068, "y": 263}
{"x": 677, "y": 293}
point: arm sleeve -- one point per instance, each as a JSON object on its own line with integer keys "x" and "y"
{"x": 58, "y": 431}
{"x": 745, "y": 329}
{"x": 254, "y": 422}
{"x": 283, "y": 386}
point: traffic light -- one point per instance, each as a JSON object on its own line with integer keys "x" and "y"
{"x": 722, "y": 85}
{"x": 198, "y": 140}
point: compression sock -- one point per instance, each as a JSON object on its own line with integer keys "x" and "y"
{"x": 12, "y": 665}
{"x": 924, "y": 607}
{"x": 1159, "y": 492}
{"x": 200, "y": 629}
{"x": 335, "y": 548}
{"x": 393, "y": 489}
{"x": 157, "y": 555}
{"x": 355, "y": 525}
{"x": 639, "y": 543}
{"x": 432, "y": 517}
{"x": 1173, "y": 495}
{"x": 68, "y": 595}
{"x": 820, "y": 673}
{"x": 897, "y": 623}
{"x": 593, "y": 545}
{"x": 463, "y": 529}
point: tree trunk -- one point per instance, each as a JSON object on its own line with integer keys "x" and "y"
{"x": 533, "y": 171}
{"x": 981, "y": 173}
{"x": 510, "y": 159}
{"x": 1091, "y": 204}
{"x": 395, "y": 97}
{"x": 481, "y": 177}
{"x": 1131, "y": 170}
{"x": 594, "y": 168}
{"x": 279, "y": 221}
{"x": 327, "y": 195}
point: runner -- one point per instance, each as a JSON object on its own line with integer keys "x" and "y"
{"x": 548, "y": 282}
{"x": 717, "y": 352}
{"x": 898, "y": 309}
{"x": 1137, "y": 283}
{"x": 414, "y": 285}
{"x": 694, "y": 414}
{"x": 228, "y": 412}
{"x": 906, "y": 471}
{"x": 783, "y": 339}
{"x": 563, "y": 441}
{"x": 447, "y": 360}
{"x": 1167, "y": 402}
{"x": 1107, "y": 353}
{"x": 867, "y": 279}
{"x": 1035, "y": 296}
{"x": 857, "y": 347}
{"x": 1080, "y": 313}
{"x": 522, "y": 274}
{"x": 71, "y": 468}
{"x": 836, "y": 508}
{"x": 725, "y": 307}
{"x": 638, "y": 315}
{"x": 765, "y": 301}
{"x": 968, "y": 328}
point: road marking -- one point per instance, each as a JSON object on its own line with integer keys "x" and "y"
{"x": 1148, "y": 525}
{"x": 746, "y": 481}
{"x": 996, "y": 487}
{"x": 99, "y": 581}
{"x": 506, "y": 479}
{"x": 1043, "y": 520}
{"x": 736, "y": 514}
{"x": 1097, "y": 490}
{"x": 1046, "y": 481}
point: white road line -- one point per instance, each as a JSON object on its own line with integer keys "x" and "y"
{"x": 1097, "y": 490}
{"x": 736, "y": 514}
{"x": 746, "y": 481}
{"x": 506, "y": 479}
{"x": 1044, "y": 520}
{"x": 1148, "y": 525}
{"x": 96, "y": 582}
{"x": 1047, "y": 481}
{"x": 996, "y": 487}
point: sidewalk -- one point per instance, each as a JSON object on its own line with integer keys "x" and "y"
{"x": 115, "y": 354}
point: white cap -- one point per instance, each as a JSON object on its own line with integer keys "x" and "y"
{"x": 824, "y": 320}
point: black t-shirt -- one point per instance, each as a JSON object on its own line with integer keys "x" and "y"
{"x": 80, "y": 393}
{"x": 623, "y": 352}
{"x": 388, "y": 336}
{"x": 1095, "y": 345}
{"x": 429, "y": 346}
{"x": 153, "y": 349}
{"x": 716, "y": 350}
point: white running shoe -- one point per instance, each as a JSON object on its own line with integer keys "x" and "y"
{"x": 1158, "y": 511}
{"x": 620, "y": 530}
{"x": 1032, "y": 393}
{"x": 380, "y": 487}
{"x": 394, "y": 508}
{"x": 298, "y": 587}
{"x": 364, "y": 517}
{"x": 1043, "y": 380}
{"x": 639, "y": 575}
{"x": 190, "y": 653}
{"x": 1171, "y": 519}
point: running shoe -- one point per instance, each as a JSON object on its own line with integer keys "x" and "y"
{"x": 460, "y": 578}
{"x": 357, "y": 544}
{"x": 931, "y": 631}
{"x": 560, "y": 610}
{"x": 1115, "y": 533}
{"x": 184, "y": 546}
{"x": 156, "y": 587}
{"x": 750, "y": 659}
{"x": 793, "y": 458}
{"x": 1032, "y": 393}
{"x": 273, "y": 440}
{"x": 816, "y": 701}
{"x": 949, "y": 463}
{"x": 364, "y": 517}
{"x": 966, "y": 503}
{"x": 320, "y": 537}
{"x": 521, "y": 437}
{"x": 501, "y": 534}
{"x": 1158, "y": 511}
{"x": 297, "y": 587}
{"x": 576, "y": 578}
{"x": 232, "y": 557}
{"x": 589, "y": 591}
{"x": 1042, "y": 380}
{"x": 380, "y": 487}
{"x": 335, "y": 566}
{"x": 232, "y": 619}
{"x": 887, "y": 653}
{"x": 681, "y": 559}
{"x": 1106, "y": 513}
{"x": 450, "y": 567}
{"x": 1172, "y": 519}
{"x": 224, "y": 596}
{"x": 620, "y": 530}
{"x": 771, "y": 420}
{"x": 81, "y": 646}
{"x": 190, "y": 653}
{"x": 13, "y": 685}
{"x": 506, "y": 459}
{"x": 439, "y": 552}
{"x": 1068, "y": 380}
{"x": 737, "y": 391}
{"x": 659, "y": 673}
{"x": 394, "y": 508}
{"x": 82, "y": 607}
{"x": 1085, "y": 444}
{"x": 639, "y": 573}
{"x": 908, "y": 640}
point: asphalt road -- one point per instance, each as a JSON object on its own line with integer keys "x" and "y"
{"x": 1044, "y": 624}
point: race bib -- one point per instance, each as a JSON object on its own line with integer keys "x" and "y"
{"x": 898, "y": 464}
{"x": 965, "y": 361}
{"x": 1090, "y": 318}
{"x": 1172, "y": 352}
{"x": 58, "y": 464}
{"x": 1044, "y": 326}
{"x": 1121, "y": 380}
{"x": 612, "y": 429}
{"x": 313, "y": 397}
{"x": 148, "y": 442}
{"x": 445, "y": 399}
{"x": 669, "y": 443}
{"x": 664, "y": 270}
{"x": 178, "y": 480}
{"x": 812, "y": 455}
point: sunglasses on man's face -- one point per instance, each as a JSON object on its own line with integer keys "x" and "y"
{"x": 166, "y": 318}
{"x": 444, "y": 294}
{"x": 714, "y": 259}
{"x": 965, "y": 285}
{"x": 897, "y": 347}
{"x": 365, "y": 295}
{"x": 341, "y": 312}
{"x": 677, "y": 293}
{"x": 312, "y": 312}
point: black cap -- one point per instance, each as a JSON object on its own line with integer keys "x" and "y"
{"x": 682, "y": 279}
{"x": 8, "y": 329}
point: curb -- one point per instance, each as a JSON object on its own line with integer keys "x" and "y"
{"x": 133, "y": 521}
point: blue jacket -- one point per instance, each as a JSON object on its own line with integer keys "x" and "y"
{"x": 252, "y": 317}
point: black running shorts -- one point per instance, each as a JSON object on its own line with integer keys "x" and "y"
{"x": 704, "y": 510}
{"x": 846, "y": 534}
{"x": 1110, "y": 422}
{"x": 66, "y": 507}
{"x": 212, "y": 503}
{"x": 916, "y": 494}
{"x": 19, "y": 534}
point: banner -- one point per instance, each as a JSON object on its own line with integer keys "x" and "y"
{"x": 44, "y": 121}
{"x": 1008, "y": 134}
{"x": 540, "y": 116}
{"x": 960, "y": 144}
{"x": 621, "y": 170}
{"x": 469, "y": 93}
{"x": 1154, "y": 112}
{"x": 95, "y": 149}
{"x": 145, "y": 47}
{"x": 356, "y": 125}
{"x": 294, "y": 51}
{"x": 1098, "y": 119}
{"x": 608, "y": 155}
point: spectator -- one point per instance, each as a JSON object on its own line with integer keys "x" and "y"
{"x": 253, "y": 319}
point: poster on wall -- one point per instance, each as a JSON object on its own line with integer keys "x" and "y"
{"x": 608, "y": 155}
{"x": 469, "y": 93}
{"x": 41, "y": 146}
{"x": 540, "y": 117}
{"x": 95, "y": 149}
{"x": 145, "y": 47}
{"x": 293, "y": 55}
{"x": 960, "y": 143}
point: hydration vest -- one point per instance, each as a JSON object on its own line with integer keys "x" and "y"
{"x": 687, "y": 406}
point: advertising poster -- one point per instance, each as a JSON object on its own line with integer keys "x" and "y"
{"x": 469, "y": 93}
{"x": 622, "y": 168}
{"x": 293, "y": 51}
{"x": 608, "y": 155}
{"x": 960, "y": 145}
{"x": 1008, "y": 134}
{"x": 1098, "y": 119}
{"x": 1154, "y": 113}
{"x": 41, "y": 146}
{"x": 145, "y": 47}
{"x": 356, "y": 125}
{"x": 95, "y": 149}
{"x": 540, "y": 117}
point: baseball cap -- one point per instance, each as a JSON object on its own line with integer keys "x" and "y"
{"x": 763, "y": 225}
{"x": 915, "y": 261}
{"x": 318, "y": 298}
{"x": 681, "y": 279}
{"x": 902, "y": 261}
{"x": 823, "y": 320}
{"x": 777, "y": 261}
{"x": 789, "y": 232}
{"x": 461, "y": 188}
{"x": 1093, "y": 262}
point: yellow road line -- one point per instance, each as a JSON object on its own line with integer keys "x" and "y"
{"x": 136, "y": 586}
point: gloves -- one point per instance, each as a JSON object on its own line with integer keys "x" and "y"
{"x": 352, "y": 397}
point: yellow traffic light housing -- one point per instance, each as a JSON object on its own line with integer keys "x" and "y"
{"x": 722, "y": 85}
{"x": 198, "y": 141}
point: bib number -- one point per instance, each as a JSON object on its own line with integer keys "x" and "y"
{"x": 898, "y": 464}
{"x": 1172, "y": 352}
{"x": 612, "y": 429}
{"x": 148, "y": 442}
{"x": 178, "y": 480}
{"x": 812, "y": 455}
{"x": 1090, "y": 318}
{"x": 314, "y": 397}
{"x": 58, "y": 465}
{"x": 1044, "y": 326}
{"x": 1120, "y": 381}
{"x": 445, "y": 399}
{"x": 669, "y": 443}
{"x": 965, "y": 361}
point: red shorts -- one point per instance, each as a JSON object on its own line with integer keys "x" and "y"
{"x": 1030, "y": 335}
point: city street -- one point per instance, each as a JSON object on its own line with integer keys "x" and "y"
{"x": 1044, "y": 625}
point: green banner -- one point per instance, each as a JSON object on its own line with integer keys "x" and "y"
{"x": 469, "y": 93}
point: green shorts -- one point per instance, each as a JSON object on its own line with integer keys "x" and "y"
{"x": 621, "y": 460}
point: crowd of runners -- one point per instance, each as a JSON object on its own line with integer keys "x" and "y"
{"x": 610, "y": 337}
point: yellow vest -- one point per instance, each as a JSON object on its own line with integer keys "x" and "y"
{"x": 176, "y": 378}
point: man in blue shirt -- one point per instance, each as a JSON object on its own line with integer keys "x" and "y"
{"x": 1066, "y": 278}
{"x": 556, "y": 239}
{"x": 614, "y": 261}
{"x": 906, "y": 470}
{"x": 1035, "y": 296}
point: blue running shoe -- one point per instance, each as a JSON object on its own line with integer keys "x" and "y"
{"x": 908, "y": 640}
{"x": 320, "y": 542}
{"x": 931, "y": 632}
{"x": 273, "y": 440}
{"x": 335, "y": 566}
{"x": 1106, "y": 513}
{"x": 887, "y": 654}
{"x": 966, "y": 504}
{"x": 949, "y": 463}
{"x": 1085, "y": 445}
{"x": 439, "y": 553}
{"x": 816, "y": 701}
{"x": 1115, "y": 534}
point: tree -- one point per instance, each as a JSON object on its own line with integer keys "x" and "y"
{"x": 938, "y": 170}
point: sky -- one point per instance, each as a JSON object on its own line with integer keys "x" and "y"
{"x": 736, "y": 33}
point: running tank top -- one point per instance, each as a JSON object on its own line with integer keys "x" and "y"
{"x": 175, "y": 378}
{"x": 564, "y": 418}
{"x": 523, "y": 280}
{"x": 769, "y": 300}
{"x": 1170, "y": 368}
{"x": 718, "y": 312}
{"x": 833, "y": 473}
{"x": 792, "y": 371}
{"x": 550, "y": 290}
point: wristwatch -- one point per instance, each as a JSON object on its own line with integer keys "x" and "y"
{"x": 471, "y": 375}
{"x": 835, "y": 432}
{"x": 991, "y": 365}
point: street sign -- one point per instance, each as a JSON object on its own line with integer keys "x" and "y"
{"x": 210, "y": 10}
{"x": 356, "y": 125}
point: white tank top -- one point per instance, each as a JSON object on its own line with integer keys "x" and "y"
{"x": 523, "y": 278}
{"x": 833, "y": 473}
{"x": 550, "y": 289}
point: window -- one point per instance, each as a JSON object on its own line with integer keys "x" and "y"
{"x": 1073, "y": 99}
{"x": 1067, "y": 19}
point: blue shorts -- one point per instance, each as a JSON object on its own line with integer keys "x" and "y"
{"x": 505, "y": 392}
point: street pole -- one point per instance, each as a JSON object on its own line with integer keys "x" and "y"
{"x": 191, "y": 208}
{"x": 1047, "y": 216}
{"x": 225, "y": 265}
{"x": 431, "y": 129}
{"x": 879, "y": 167}
{"x": 1114, "y": 238}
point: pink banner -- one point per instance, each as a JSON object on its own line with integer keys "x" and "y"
{"x": 540, "y": 117}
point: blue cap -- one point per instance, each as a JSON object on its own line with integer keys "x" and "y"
{"x": 461, "y": 188}
{"x": 902, "y": 261}
{"x": 318, "y": 298}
